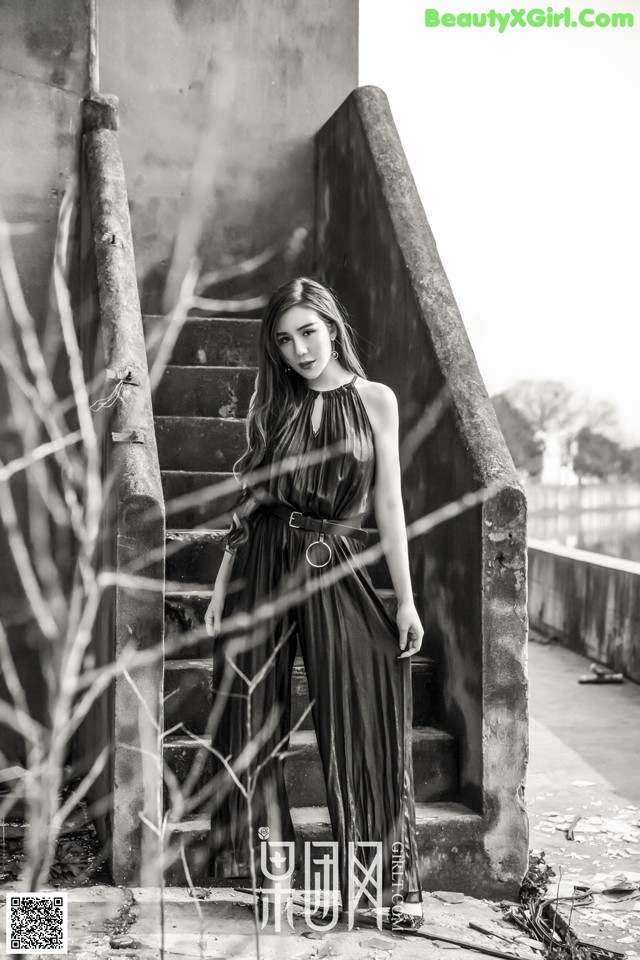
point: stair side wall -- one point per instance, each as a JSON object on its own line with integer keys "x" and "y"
{"x": 137, "y": 538}
{"x": 375, "y": 247}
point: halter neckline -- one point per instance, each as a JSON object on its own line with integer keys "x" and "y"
{"x": 342, "y": 386}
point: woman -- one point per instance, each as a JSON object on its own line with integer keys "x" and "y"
{"x": 313, "y": 403}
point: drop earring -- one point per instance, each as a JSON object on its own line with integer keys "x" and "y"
{"x": 334, "y": 352}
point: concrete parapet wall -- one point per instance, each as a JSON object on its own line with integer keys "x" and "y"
{"x": 375, "y": 247}
{"x": 551, "y": 498}
{"x": 589, "y": 602}
{"x": 135, "y": 541}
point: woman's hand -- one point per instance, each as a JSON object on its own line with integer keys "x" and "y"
{"x": 213, "y": 613}
{"x": 411, "y": 630}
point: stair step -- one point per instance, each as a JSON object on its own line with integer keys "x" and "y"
{"x": 435, "y": 766}
{"x": 199, "y": 407}
{"x": 199, "y": 443}
{"x": 204, "y": 391}
{"x": 212, "y": 508}
{"x": 207, "y": 341}
{"x": 422, "y": 682}
{"x": 184, "y": 612}
{"x": 194, "y": 556}
{"x": 440, "y": 828}
{"x": 188, "y": 691}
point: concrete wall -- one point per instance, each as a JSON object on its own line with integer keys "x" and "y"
{"x": 589, "y": 602}
{"x": 258, "y": 79}
{"x": 549, "y": 498}
{"x": 44, "y": 75}
{"x": 251, "y": 83}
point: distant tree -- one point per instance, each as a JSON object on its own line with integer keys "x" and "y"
{"x": 630, "y": 464}
{"x": 551, "y": 405}
{"x": 518, "y": 434}
{"x": 597, "y": 456}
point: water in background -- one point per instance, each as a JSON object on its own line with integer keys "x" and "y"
{"x": 613, "y": 532}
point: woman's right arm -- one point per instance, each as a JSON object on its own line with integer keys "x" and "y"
{"x": 213, "y": 614}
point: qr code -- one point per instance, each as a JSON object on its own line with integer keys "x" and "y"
{"x": 37, "y": 923}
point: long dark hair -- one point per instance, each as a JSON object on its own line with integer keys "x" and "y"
{"x": 278, "y": 395}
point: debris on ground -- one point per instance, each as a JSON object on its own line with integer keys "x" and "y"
{"x": 539, "y": 912}
{"x": 624, "y": 829}
{"x": 77, "y": 857}
{"x": 118, "y": 926}
{"x": 379, "y": 943}
{"x": 571, "y": 829}
{"x": 77, "y": 861}
{"x": 449, "y": 896}
{"x": 600, "y": 674}
{"x": 200, "y": 893}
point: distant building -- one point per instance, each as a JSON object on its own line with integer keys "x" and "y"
{"x": 559, "y": 448}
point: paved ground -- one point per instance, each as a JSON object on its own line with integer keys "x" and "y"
{"x": 601, "y": 724}
{"x": 584, "y": 763}
{"x": 585, "y": 747}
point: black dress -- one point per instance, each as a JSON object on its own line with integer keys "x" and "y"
{"x": 362, "y": 709}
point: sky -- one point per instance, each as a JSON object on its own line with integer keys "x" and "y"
{"x": 525, "y": 147}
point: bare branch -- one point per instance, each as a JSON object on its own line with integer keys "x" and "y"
{"x": 219, "y": 96}
{"x": 292, "y": 249}
{"x": 93, "y": 507}
{"x": 227, "y": 306}
{"x": 81, "y": 790}
{"x": 45, "y": 450}
{"x": 11, "y": 678}
{"x": 24, "y": 566}
{"x": 177, "y": 318}
{"x": 22, "y": 723}
{"x": 144, "y": 703}
{"x": 70, "y": 467}
{"x": 426, "y": 424}
{"x": 23, "y": 318}
{"x": 187, "y": 873}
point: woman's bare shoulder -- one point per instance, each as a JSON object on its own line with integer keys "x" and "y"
{"x": 375, "y": 392}
{"x": 380, "y": 401}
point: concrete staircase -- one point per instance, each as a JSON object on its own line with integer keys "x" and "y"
{"x": 199, "y": 408}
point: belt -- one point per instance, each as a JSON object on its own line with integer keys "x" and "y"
{"x": 299, "y": 521}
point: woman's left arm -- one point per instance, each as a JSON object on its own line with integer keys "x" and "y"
{"x": 382, "y": 407}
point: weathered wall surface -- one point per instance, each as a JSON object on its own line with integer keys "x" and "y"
{"x": 43, "y": 76}
{"x": 590, "y": 602}
{"x": 239, "y": 86}
{"x": 251, "y": 83}
{"x": 43, "y": 58}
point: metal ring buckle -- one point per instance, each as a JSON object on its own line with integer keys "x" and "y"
{"x": 323, "y": 543}
{"x": 294, "y": 513}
